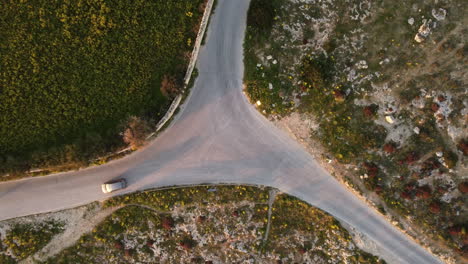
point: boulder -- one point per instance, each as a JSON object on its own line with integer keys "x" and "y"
{"x": 439, "y": 14}
{"x": 424, "y": 31}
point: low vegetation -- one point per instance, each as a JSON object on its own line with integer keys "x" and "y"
{"x": 24, "y": 239}
{"x": 74, "y": 72}
{"x": 208, "y": 224}
{"x": 383, "y": 82}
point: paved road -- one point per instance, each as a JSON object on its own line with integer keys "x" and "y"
{"x": 217, "y": 138}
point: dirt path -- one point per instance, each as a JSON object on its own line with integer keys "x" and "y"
{"x": 271, "y": 200}
{"x": 75, "y": 228}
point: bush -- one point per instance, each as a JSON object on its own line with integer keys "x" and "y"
{"x": 261, "y": 16}
{"x": 136, "y": 132}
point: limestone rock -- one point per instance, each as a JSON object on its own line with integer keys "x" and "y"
{"x": 424, "y": 31}
{"x": 439, "y": 14}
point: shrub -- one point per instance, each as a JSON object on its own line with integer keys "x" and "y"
{"x": 424, "y": 192}
{"x": 261, "y": 16}
{"x": 169, "y": 86}
{"x": 434, "y": 207}
{"x": 463, "y": 146}
{"x": 136, "y": 132}
{"x": 187, "y": 243}
{"x": 168, "y": 223}
{"x": 370, "y": 110}
{"x": 463, "y": 187}
{"x": 389, "y": 147}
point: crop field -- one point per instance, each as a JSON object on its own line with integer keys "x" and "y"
{"x": 384, "y": 82}
{"x": 73, "y": 72}
{"x": 204, "y": 224}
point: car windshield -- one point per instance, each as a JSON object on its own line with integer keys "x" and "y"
{"x": 115, "y": 185}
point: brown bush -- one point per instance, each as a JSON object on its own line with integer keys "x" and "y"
{"x": 463, "y": 187}
{"x": 372, "y": 169}
{"x": 455, "y": 230}
{"x": 136, "y": 132}
{"x": 168, "y": 223}
{"x": 378, "y": 189}
{"x": 187, "y": 243}
{"x": 150, "y": 243}
{"x": 424, "y": 192}
{"x": 169, "y": 86}
{"x": 370, "y": 110}
{"x": 429, "y": 165}
{"x": 389, "y": 148}
{"x": 410, "y": 158}
{"x": 435, "y": 107}
{"x": 201, "y": 219}
{"x": 118, "y": 245}
{"x": 434, "y": 207}
{"x": 128, "y": 253}
{"x": 410, "y": 187}
{"x": 406, "y": 195}
{"x": 339, "y": 96}
{"x": 463, "y": 146}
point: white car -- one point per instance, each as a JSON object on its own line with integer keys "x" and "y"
{"x": 114, "y": 185}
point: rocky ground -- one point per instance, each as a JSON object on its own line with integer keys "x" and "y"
{"x": 380, "y": 88}
{"x": 206, "y": 224}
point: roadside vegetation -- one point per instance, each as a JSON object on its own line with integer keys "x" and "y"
{"x": 82, "y": 79}
{"x": 24, "y": 239}
{"x": 208, "y": 224}
{"x": 384, "y": 85}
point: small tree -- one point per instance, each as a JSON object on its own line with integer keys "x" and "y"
{"x": 135, "y": 132}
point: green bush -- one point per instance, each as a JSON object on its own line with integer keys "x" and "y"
{"x": 261, "y": 16}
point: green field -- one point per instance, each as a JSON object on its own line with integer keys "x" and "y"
{"x": 72, "y": 72}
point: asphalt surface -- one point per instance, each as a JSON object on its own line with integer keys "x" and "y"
{"x": 218, "y": 137}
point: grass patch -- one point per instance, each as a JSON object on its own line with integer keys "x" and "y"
{"x": 23, "y": 240}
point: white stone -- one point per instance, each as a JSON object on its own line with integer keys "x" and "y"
{"x": 275, "y": 61}
{"x": 389, "y": 119}
{"x": 439, "y": 154}
{"x": 439, "y": 14}
{"x": 424, "y": 31}
{"x": 362, "y": 64}
{"x": 416, "y": 130}
{"x": 269, "y": 57}
{"x": 418, "y": 38}
{"x": 270, "y": 86}
{"x": 411, "y": 21}
{"x": 259, "y": 65}
{"x": 259, "y": 103}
